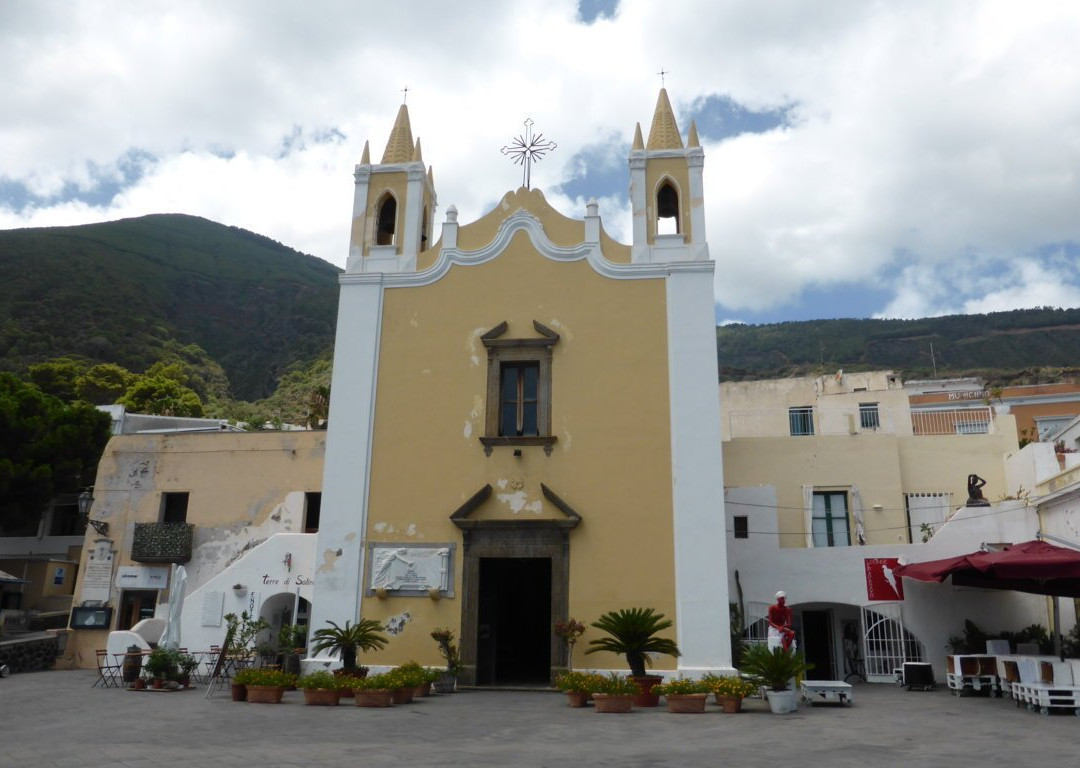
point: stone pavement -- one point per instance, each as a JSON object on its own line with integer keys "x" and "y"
{"x": 53, "y": 719}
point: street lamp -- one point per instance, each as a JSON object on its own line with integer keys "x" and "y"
{"x": 85, "y": 501}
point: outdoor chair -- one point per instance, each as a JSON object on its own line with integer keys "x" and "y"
{"x": 109, "y": 671}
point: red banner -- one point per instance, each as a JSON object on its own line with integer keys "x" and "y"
{"x": 882, "y": 582}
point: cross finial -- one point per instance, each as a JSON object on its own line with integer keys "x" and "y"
{"x": 527, "y": 149}
{"x": 663, "y": 72}
{"x": 405, "y": 98}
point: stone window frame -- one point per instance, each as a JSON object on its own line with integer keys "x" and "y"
{"x": 500, "y": 350}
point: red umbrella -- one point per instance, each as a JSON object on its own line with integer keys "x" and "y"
{"x": 1033, "y": 566}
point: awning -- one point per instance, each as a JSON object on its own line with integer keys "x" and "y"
{"x": 1033, "y": 566}
{"x": 7, "y": 578}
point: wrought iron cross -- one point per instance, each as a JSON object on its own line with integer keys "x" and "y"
{"x": 526, "y": 149}
{"x": 663, "y": 72}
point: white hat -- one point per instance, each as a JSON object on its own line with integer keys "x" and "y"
{"x": 780, "y": 594}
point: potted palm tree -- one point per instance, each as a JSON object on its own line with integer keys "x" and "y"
{"x": 346, "y": 642}
{"x": 633, "y": 632}
{"x": 775, "y": 669}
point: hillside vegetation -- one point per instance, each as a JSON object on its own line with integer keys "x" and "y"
{"x": 1022, "y": 346}
{"x": 129, "y": 291}
{"x": 236, "y": 318}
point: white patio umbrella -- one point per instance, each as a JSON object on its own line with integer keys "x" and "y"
{"x": 170, "y": 638}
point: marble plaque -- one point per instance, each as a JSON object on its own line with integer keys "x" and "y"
{"x": 97, "y": 574}
{"x": 410, "y": 569}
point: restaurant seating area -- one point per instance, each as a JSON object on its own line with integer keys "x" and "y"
{"x": 1040, "y": 683}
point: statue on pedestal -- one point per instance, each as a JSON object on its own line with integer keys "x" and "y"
{"x": 781, "y": 635}
{"x": 975, "y": 494}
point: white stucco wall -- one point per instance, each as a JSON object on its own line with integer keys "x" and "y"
{"x": 836, "y": 576}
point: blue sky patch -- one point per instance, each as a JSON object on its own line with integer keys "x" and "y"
{"x": 599, "y": 170}
{"x": 721, "y": 117}
{"x": 590, "y": 10}
{"x": 107, "y": 183}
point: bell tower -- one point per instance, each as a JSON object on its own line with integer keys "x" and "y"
{"x": 666, "y": 192}
{"x": 393, "y": 205}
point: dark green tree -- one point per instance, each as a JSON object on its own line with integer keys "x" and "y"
{"x": 58, "y": 377}
{"x": 104, "y": 384}
{"x": 46, "y": 447}
{"x": 161, "y": 395}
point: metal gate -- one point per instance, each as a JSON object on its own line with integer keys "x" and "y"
{"x": 887, "y": 644}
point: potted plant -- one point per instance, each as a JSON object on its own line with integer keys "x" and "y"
{"x": 162, "y": 664}
{"x": 569, "y": 631}
{"x": 346, "y": 642}
{"x": 449, "y": 651}
{"x": 292, "y": 639}
{"x": 431, "y": 676}
{"x": 373, "y": 691}
{"x": 265, "y": 686}
{"x": 730, "y": 690}
{"x": 244, "y": 631}
{"x": 633, "y": 632}
{"x": 683, "y": 695}
{"x": 578, "y": 686}
{"x": 187, "y": 664}
{"x": 615, "y": 693}
{"x": 411, "y": 676}
{"x": 775, "y": 669}
{"x": 320, "y": 689}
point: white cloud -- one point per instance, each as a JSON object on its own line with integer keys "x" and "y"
{"x": 923, "y": 135}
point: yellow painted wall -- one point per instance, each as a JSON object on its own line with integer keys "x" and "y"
{"x": 884, "y": 467}
{"x": 616, "y": 472}
{"x": 234, "y": 480}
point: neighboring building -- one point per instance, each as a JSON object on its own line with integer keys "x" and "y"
{"x": 125, "y": 423}
{"x": 1039, "y": 409}
{"x": 829, "y": 481}
{"x": 523, "y": 427}
{"x": 227, "y": 506}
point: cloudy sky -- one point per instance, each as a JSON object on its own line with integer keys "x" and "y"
{"x": 862, "y": 158}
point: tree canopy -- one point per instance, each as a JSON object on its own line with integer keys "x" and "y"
{"x": 46, "y": 446}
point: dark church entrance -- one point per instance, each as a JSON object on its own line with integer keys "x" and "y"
{"x": 513, "y": 638}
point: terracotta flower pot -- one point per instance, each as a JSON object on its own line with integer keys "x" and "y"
{"x": 646, "y": 682}
{"x": 239, "y": 691}
{"x": 321, "y": 697}
{"x": 265, "y": 694}
{"x": 424, "y": 689}
{"x": 613, "y": 703}
{"x": 686, "y": 703}
{"x": 729, "y": 704}
{"x": 379, "y": 697}
{"x": 403, "y": 695}
{"x": 158, "y": 683}
{"x": 577, "y": 698}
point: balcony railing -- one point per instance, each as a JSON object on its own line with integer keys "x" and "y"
{"x": 162, "y": 542}
{"x": 958, "y": 421}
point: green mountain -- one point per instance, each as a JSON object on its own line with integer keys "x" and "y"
{"x": 1005, "y": 347}
{"x": 125, "y": 291}
{"x": 117, "y": 292}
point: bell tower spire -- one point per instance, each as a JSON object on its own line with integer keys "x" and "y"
{"x": 666, "y": 191}
{"x": 393, "y": 204}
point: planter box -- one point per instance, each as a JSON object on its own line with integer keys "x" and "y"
{"x": 577, "y": 698}
{"x": 686, "y": 703}
{"x": 606, "y": 702}
{"x": 321, "y": 697}
{"x": 379, "y": 697}
{"x": 265, "y": 694}
{"x": 403, "y": 695}
{"x": 731, "y": 705}
{"x": 782, "y": 702}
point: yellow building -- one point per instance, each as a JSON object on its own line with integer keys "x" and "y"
{"x": 524, "y": 424}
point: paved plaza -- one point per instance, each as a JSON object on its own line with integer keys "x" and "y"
{"x": 56, "y": 719}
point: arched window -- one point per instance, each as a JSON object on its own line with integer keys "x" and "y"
{"x": 385, "y": 220}
{"x": 667, "y": 209}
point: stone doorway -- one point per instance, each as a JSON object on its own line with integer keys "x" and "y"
{"x": 514, "y": 621}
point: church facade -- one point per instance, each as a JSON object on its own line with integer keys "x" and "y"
{"x": 524, "y": 423}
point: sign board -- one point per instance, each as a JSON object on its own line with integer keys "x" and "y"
{"x": 142, "y": 577}
{"x": 212, "y": 608}
{"x": 97, "y": 575}
{"x": 882, "y": 582}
